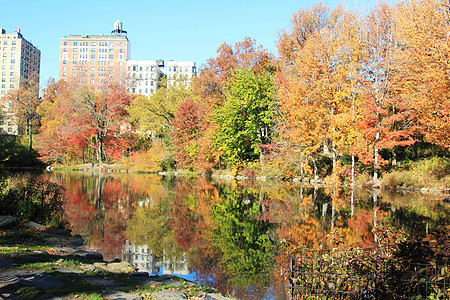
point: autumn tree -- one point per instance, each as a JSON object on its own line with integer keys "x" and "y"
{"x": 22, "y": 104}
{"x": 246, "y": 117}
{"x": 386, "y": 117}
{"x": 320, "y": 80}
{"x": 153, "y": 115}
{"x": 210, "y": 83}
{"x": 422, "y": 78}
{"x": 84, "y": 117}
{"x": 188, "y": 127}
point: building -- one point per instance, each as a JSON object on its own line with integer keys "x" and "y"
{"x": 95, "y": 59}
{"x": 20, "y": 64}
{"x": 143, "y": 76}
{"x": 180, "y": 69}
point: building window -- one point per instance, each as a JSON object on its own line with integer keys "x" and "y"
{"x": 11, "y": 86}
{"x": 64, "y": 62}
{"x": 111, "y": 57}
{"x": 92, "y": 56}
{"x": 11, "y": 74}
{"x": 65, "y": 43}
{"x": 75, "y": 43}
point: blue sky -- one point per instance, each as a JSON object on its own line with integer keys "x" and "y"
{"x": 157, "y": 29}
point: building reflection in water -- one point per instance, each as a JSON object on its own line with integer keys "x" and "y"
{"x": 142, "y": 258}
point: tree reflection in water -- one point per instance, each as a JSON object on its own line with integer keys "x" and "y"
{"x": 231, "y": 236}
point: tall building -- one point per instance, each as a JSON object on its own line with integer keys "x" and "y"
{"x": 95, "y": 59}
{"x": 184, "y": 70}
{"x": 143, "y": 76}
{"x": 20, "y": 64}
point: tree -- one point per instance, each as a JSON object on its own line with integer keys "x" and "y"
{"x": 422, "y": 28}
{"x": 386, "y": 121}
{"x": 210, "y": 84}
{"x": 153, "y": 115}
{"x": 245, "y": 119}
{"x": 188, "y": 127}
{"x": 320, "y": 80}
{"x": 83, "y": 117}
{"x": 23, "y": 103}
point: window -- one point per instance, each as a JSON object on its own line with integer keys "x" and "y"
{"x": 92, "y": 50}
{"x": 111, "y": 57}
{"x": 3, "y": 86}
{"x": 11, "y": 74}
{"x": 13, "y": 61}
{"x": 65, "y": 43}
{"x": 93, "y": 44}
{"x": 64, "y": 62}
{"x": 11, "y": 86}
{"x": 75, "y": 43}
{"x": 75, "y": 49}
{"x": 92, "y": 56}
{"x": 13, "y": 48}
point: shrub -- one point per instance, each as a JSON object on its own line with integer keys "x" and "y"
{"x": 31, "y": 198}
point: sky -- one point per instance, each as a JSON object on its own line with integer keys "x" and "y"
{"x": 157, "y": 29}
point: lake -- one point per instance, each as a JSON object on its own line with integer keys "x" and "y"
{"x": 231, "y": 235}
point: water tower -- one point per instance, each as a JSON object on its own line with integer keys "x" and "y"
{"x": 118, "y": 29}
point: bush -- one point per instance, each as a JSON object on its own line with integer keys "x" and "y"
{"x": 425, "y": 173}
{"x": 32, "y": 199}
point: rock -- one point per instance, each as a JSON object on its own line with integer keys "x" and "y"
{"x": 89, "y": 268}
{"x": 217, "y": 297}
{"x": 5, "y": 262}
{"x": 67, "y": 270}
{"x": 89, "y": 255}
{"x": 7, "y": 279}
{"x": 116, "y": 295}
{"x": 140, "y": 274}
{"x": 33, "y": 225}
{"x": 41, "y": 280}
{"x": 169, "y": 295}
{"x": 116, "y": 267}
{"x": 101, "y": 281}
{"x": 8, "y": 221}
{"x": 446, "y": 200}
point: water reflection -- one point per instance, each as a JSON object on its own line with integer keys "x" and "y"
{"x": 232, "y": 236}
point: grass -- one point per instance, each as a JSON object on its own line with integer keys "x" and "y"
{"x": 430, "y": 173}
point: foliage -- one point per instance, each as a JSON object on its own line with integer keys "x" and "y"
{"x": 82, "y": 118}
{"x": 190, "y": 136}
{"x": 245, "y": 119}
{"x": 153, "y": 115}
{"x": 150, "y": 160}
{"x": 422, "y": 29}
{"x": 32, "y": 199}
{"x": 430, "y": 173}
{"x": 15, "y": 155}
{"x": 243, "y": 239}
{"x": 22, "y": 103}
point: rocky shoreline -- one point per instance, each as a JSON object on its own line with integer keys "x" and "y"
{"x": 37, "y": 262}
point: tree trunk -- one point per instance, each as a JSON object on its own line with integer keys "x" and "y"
{"x": 30, "y": 137}
{"x": 100, "y": 149}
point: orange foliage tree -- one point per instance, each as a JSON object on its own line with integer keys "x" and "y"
{"x": 80, "y": 117}
{"x": 422, "y": 30}
{"x": 320, "y": 81}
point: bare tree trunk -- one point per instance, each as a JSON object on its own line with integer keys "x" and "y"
{"x": 100, "y": 149}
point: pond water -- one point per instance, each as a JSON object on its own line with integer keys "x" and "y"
{"x": 232, "y": 236}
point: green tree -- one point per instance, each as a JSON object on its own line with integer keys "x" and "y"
{"x": 153, "y": 115}
{"x": 245, "y": 119}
